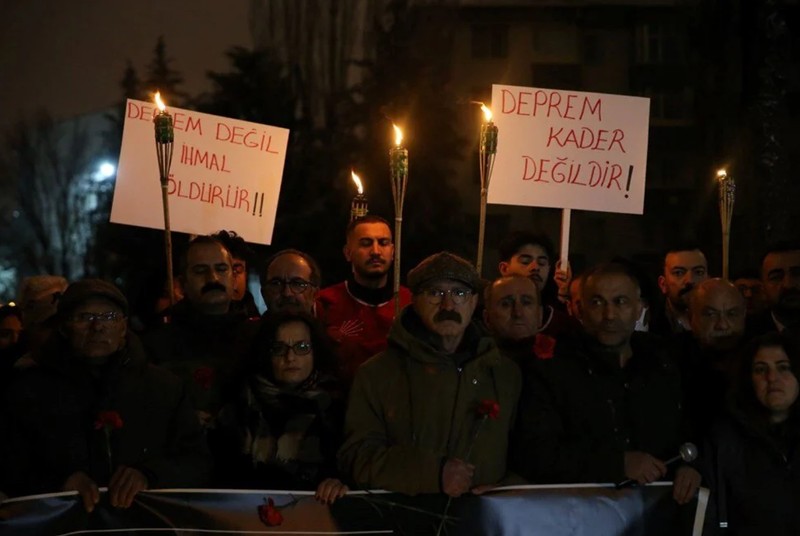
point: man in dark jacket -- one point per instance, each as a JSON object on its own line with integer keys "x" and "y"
{"x": 780, "y": 273}
{"x": 607, "y": 406}
{"x": 707, "y": 353}
{"x": 93, "y": 413}
{"x": 204, "y": 342}
{"x": 415, "y": 408}
{"x": 512, "y": 314}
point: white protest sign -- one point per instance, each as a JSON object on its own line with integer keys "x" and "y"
{"x": 569, "y": 149}
{"x": 226, "y": 174}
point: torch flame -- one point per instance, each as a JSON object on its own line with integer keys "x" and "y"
{"x": 721, "y": 174}
{"x": 487, "y": 113}
{"x": 398, "y": 135}
{"x": 159, "y": 102}
{"x": 356, "y": 180}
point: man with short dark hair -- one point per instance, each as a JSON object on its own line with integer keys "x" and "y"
{"x": 685, "y": 266}
{"x": 290, "y": 282}
{"x": 607, "y": 406}
{"x": 413, "y": 407}
{"x": 752, "y": 288}
{"x": 204, "y": 341}
{"x": 531, "y": 255}
{"x": 94, "y": 413}
{"x": 359, "y": 311}
{"x": 241, "y": 256}
{"x": 780, "y": 274}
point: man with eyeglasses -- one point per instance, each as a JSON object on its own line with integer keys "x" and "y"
{"x": 204, "y": 340}
{"x": 414, "y": 407}
{"x": 359, "y": 311}
{"x": 94, "y": 413}
{"x": 290, "y": 282}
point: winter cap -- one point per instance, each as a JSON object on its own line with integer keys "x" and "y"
{"x": 444, "y": 265}
{"x": 39, "y": 297}
{"x": 85, "y": 289}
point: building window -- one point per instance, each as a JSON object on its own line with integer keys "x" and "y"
{"x": 592, "y": 49}
{"x": 661, "y": 43}
{"x": 557, "y": 76}
{"x": 671, "y": 104}
{"x": 556, "y": 43}
{"x": 489, "y": 41}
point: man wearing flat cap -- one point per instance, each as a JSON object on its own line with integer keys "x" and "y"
{"x": 94, "y": 413}
{"x": 415, "y": 407}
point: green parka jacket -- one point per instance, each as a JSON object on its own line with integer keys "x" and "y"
{"x": 412, "y": 407}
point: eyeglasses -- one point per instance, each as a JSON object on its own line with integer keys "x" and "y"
{"x": 88, "y": 318}
{"x": 458, "y": 295}
{"x": 297, "y": 286}
{"x": 281, "y": 349}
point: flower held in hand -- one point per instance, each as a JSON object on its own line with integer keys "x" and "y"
{"x": 269, "y": 513}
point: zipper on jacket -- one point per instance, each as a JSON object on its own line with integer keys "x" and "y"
{"x": 459, "y": 370}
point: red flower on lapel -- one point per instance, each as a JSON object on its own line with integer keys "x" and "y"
{"x": 544, "y": 346}
{"x": 110, "y": 420}
{"x": 204, "y": 377}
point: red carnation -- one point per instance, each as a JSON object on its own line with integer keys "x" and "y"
{"x": 489, "y": 408}
{"x": 110, "y": 420}
{"x": 204, "y": 377}
{"x": 269, "y": 514}
{"x": 544, "y": 346}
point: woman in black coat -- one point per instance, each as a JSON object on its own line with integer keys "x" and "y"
{"x": 285, "y": 427}
{"x": 752, "y": 456}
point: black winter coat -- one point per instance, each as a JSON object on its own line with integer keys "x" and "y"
{"x": 51, "y": 411}
{"x": 754, "y": 475}
{"x": 579, "y": 411}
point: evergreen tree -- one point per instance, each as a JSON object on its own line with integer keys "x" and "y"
{"x": 162, "y": 77}
{"x": 409, "y": 83}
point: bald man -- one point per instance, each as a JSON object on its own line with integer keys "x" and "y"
{"x": 513, "y": 315}
{"x": 716, "y": 314}
{"x": 707, "y": 353}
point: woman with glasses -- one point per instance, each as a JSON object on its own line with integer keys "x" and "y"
{"x": 752, "y": 458}
{"x": 286, "y": 425}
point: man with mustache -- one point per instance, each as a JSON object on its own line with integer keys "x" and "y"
{"x": 203, "y": 341}
{"x": 707, "y": 353}
{"x": 241, "y": 257}
{"x": 414, "y": 407}
{"x": 57, "y": 439}
{"x": 290, "y": 282}
{"x": 780, "y": 273}
{"x": 684, "y": 267}
{"x": 359, "y": 311}
{"x": 607, "y": 405}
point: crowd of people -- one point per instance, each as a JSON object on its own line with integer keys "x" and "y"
{"x": 594, "y": 377}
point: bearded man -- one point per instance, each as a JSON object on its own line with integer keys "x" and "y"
{"x": 359, "y": 311}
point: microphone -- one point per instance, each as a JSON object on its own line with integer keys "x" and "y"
{"x": 687, "y": 453}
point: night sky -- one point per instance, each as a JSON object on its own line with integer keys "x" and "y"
{"x": 69, "y": 57}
